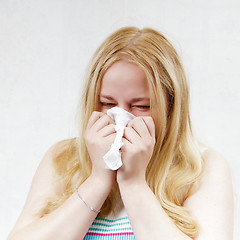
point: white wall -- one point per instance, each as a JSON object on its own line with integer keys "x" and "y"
{"x": 46, "y": 45}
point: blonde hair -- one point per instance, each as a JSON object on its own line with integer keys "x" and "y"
{"x": 176, "y": 163}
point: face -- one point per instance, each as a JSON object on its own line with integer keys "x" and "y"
{"x": 124, "y": 85}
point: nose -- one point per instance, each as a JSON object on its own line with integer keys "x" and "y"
{"x": 125, "y": 107}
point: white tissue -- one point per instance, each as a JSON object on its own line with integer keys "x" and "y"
{"x": 121, "y": 117}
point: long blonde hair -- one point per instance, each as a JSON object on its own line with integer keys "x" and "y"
{"x": 176, "y": 163}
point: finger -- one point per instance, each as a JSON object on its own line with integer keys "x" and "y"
{"x": 107, "y": 130}
{"x": 102, "y": 122}
{"x": 150, "y": 125}
{"x": 140, "y": 127}
{"x": 131, "y": 135}
{"x": 126, "y": 144}
{"x": 99, "y": 120}
{"x": 108, "y": 140}
{"x": 94, "y": 117}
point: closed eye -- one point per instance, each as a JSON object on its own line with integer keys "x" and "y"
{"x": 142, "y": 106}
{"x": 107, "y": 104}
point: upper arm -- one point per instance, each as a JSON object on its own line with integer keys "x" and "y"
{"x": 212, "y": 203}
{"x": 45, "y": 185}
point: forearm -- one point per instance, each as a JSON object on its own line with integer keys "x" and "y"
{"x": 147, "y": 217}
{"x": 71, "y": 220}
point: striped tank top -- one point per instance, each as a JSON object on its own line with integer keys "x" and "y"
{"x": 111, "y": 228}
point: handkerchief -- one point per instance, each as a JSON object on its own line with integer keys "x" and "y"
{"x": 121, "y": 117}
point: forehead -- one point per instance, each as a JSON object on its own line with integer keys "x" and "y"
{"x": 124, "y": 77}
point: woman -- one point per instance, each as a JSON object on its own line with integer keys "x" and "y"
{"x": 169, "y": 187}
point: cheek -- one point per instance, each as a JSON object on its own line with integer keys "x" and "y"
{"x": 139, "y": 113}
{"x": 103, "y": 109}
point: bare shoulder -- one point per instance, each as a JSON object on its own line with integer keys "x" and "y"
{"x": 47, "y": 167}
{"x": 216, "y": 167}
{"x": 46, "y": 177}
{"x": 46, "y": 184}
{"x": 213, "y": 159}
{"x": 211, "y": 204}
{"x": 216, "y": 174}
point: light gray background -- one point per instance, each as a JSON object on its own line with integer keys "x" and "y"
{"x": 44, "y": 50}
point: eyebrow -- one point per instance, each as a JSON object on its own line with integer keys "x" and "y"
{"x": 133, "y": 99}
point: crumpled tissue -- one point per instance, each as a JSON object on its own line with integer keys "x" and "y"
{"x": 121, "y": 117}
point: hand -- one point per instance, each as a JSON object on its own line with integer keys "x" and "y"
{"x": 99, "y": 136}
{"x": 139, "y": 141}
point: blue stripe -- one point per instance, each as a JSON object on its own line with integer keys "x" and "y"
{"x": 115, "y": 237}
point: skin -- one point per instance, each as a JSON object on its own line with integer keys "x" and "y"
{"x": 139, "y": 135}
{"x": 211, "y": 202}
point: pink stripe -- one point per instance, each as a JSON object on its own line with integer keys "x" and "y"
{"x": 109, "y": 234}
